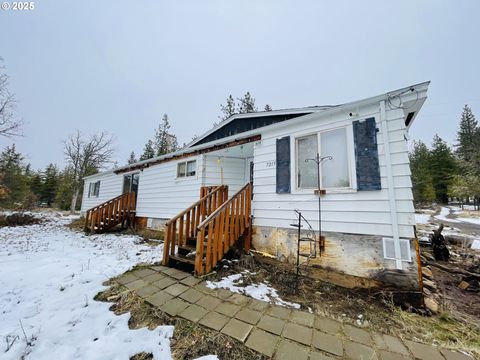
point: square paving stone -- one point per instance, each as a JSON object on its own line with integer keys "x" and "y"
{"x": 315, "y": 355}
{"x": 214, "y": 320}
{"x": 302, "y": 318}
{"x": 190, "y": 281}
{"x": 176, "y": 289}
{"x": 239, "y": 299}
{"x": 193, "y": 313}
{"x": 288, "y": 350}
{"x": 327, "y": 325}
{"x": 153, "y": 277}
{"x": 359, "y": 335}
{"x": 271, "y": 324}
{"x": 424, "y": 352}
{"x": 279, "y": 312}
{"x": 394, "y": 344}
{"x": 135, "y": 285}
{"x": 166, "y": 282}
{"x": 180, "y": 275}
{"x": 159, "y": 298}
{"x": 147, "y": 291}
{"x": 379, "y": 340}
{"x": 299, "y": 333}
{"x": 126, "y": 278}
{"x": 224, "y": 294}
{"x": 249, "y": 316}
{"x": 227, "y": 309}
{"x": 237, "y": 329}
{"x": 357, "y": 351}
{"x": 170, "y": 271}
{"x": 258, "y": 305}
{"x": 209, "y": 302}
{"x": 203, "y": 288}
{"x": 328, "y": 343}
{"x": 387, "y": 355}
{"x": 262, "y": 342}
{"x": 454, "y": 355}
{"x": 143, "y": 272}
{"x": 174, "y": 307}
{"x": 192, "y": 295}
{"x": 159, "y": 268}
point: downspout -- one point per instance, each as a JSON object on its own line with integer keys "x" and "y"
{"x": 391, "y": 186}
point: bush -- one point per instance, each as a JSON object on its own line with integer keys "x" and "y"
{"x": 18, "y": 219}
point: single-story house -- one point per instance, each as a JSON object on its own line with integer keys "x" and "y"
{"x": 267, "y": 159}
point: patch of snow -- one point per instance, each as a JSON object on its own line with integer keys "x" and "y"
{"x": 208, "y": 357}
{"x": 422, "y": 218}
{"x": 443, "y": 215}
{"x": 476, "y": 244}
{"x": 475, "y": 221}
{"x": 49, "y": 275}
{"x": 259, "y": 291}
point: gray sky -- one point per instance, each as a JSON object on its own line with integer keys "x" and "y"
{"x": 119, "y": 65}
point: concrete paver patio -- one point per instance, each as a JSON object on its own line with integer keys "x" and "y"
{"x": 271, "y": 330}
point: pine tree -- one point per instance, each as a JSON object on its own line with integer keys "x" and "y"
{"x": 132, "y": 159}
{"x": 229, "y": 109}
{"x": 443, "y": 167}
{"x": 468, "y": 143}
{"x": 247, "y": 104}
{"x": 268, "y": 107}
{"x": 50, "y": 185}
{"x": 36, "y": 184}
{"x": 164, "y": 142}
{"x": 14, "y": 180}
{"x": 423, "y": 191}
{"x": 148, "y": 151}
{"x": 63, "y": 197}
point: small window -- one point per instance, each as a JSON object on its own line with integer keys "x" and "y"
{"x": 94, "y": 189}
{"x": 186, "y": 169}
{"x": 307, "y": 172}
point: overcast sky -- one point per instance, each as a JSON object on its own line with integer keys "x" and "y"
{"x": 119, "y": 65}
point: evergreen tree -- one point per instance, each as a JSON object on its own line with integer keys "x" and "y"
{"x": 443, "y": 167}
{"x": 268, "y": 108}
{"x": 423, "y": 190}
{"x": 164, "y": 142}
{"x": 132, "y": 159}
{"x": 148, "y": 151}
{"x": 467, "y": 136}
{"x": 50, "y": 185}
{"x": 14, "y": 180}
{"x": 229, "y": 109}
{"x": 63, "y": 197}
{"x": 247, "y": 104}
{"x": 36, "y": 184}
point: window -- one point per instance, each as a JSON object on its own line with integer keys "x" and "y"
{"x": 130, "y": 183}
{"x": 334, "y": 173}
{"x": 186, "y": 168}
{"x": 94, "y": 189}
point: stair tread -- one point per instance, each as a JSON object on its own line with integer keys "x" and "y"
{"x": 189, "y": 260}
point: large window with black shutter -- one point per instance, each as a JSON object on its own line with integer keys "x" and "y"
{"x": 366, "y": 155}
{"x": 283, "y": 165}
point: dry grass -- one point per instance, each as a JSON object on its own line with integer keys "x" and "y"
{"x": 77, "y": 224}
{"x": 189, "y": 340}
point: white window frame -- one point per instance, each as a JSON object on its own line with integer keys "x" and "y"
{"x": 186, "y": 176}
{"x": 91, "y": 189}
{"x": 351, "y": 160}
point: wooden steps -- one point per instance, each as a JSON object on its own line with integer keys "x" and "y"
{"x": 209, "y": 228}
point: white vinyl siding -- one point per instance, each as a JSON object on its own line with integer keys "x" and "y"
{"x": 347, "y": 211}
{"x": 110, "y": 186}
{"x": 219, "y": 170}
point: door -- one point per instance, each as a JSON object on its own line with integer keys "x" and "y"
{"x": 248, "y": 170}
{"x": 130, "y": 183}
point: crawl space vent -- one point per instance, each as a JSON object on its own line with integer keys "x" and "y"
{"x": 389, "y": 249}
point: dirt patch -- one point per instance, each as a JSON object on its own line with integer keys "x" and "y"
{"x": 77, "y": 224}
{"x": 18, "y": 219}
{"x": 189, "y": 340}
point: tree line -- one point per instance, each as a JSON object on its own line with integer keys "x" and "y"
{"x": 440, "y": 172}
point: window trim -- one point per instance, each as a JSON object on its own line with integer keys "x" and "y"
{"x": 351, "y": 160}
{"x": 186, "y": 176}
{"x": 91, "y": 189}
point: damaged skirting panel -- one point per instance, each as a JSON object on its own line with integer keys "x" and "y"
{"x": 360, "y": 256}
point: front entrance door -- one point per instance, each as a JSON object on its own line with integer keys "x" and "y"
{"x": 248, "y": 170}
{"x": 130, "y": 183}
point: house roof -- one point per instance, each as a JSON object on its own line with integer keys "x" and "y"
{"x": 303, "y": 113}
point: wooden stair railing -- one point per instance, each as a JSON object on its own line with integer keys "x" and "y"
{"x": 222, "y": 229}
{"x": 181, "y": 230}
{"x": 119, "y": 210}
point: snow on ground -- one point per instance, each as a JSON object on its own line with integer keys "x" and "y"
{"x": 49, "y": 275}
{"x": 476, "y": 244}
{"x": 443, "y": 215}
{"x": 422, "y": 218}
{"x": 475, "y": 221}
{"x": 259, "y": 291}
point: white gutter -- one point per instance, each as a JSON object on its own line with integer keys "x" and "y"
{"x": 391, "y": 186}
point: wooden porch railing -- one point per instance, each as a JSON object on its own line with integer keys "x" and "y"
{"x": 184, "y": 226}
{"x": 222, "y": 228}
{"x": 119, "y": 210}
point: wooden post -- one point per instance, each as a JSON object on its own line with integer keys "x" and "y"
{"x": 199, "y": 255}
{"x": 180, "y": 232}
{"x": 166, "y": 244}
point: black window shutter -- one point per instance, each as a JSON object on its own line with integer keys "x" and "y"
{"x": 283, "y": 165}
{"x": 366, "y": 155}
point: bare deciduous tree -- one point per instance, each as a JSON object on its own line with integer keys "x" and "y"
{"x": 10, "y": 124}
{"x": 86, "y": 156}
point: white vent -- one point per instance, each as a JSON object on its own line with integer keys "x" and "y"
{"x": 389, "y": 249}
